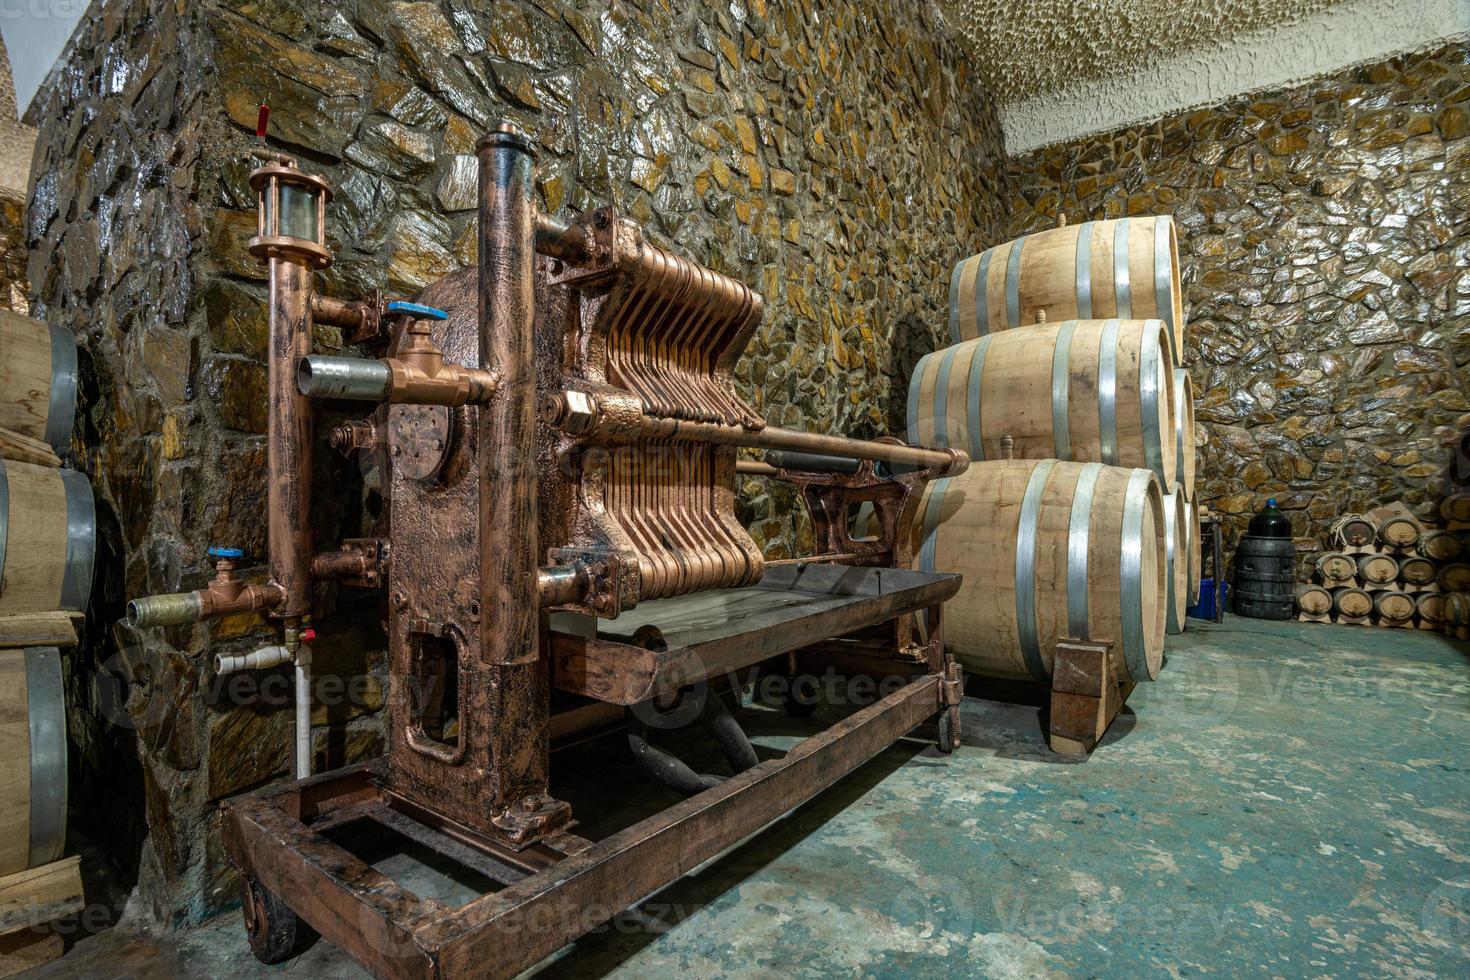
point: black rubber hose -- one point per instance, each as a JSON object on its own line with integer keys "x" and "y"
{"x": 668, "y": 770}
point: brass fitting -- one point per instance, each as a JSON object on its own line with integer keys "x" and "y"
{"x": 223, "y": 596}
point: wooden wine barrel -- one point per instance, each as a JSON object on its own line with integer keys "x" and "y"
{"x": 1416, "y": 571}
{"x": 1430, "y": 606}
{"x": 1095, "y": 391}
{"x": 1456, "y": 508}
{"x": 1183, "y": 406}
{"x": 1349, "y": 600}
{"x": 1393, "y": 606}
{"x": 1440, "y": 545}
{"x": 1398, "y": 532}
{"x": 1378, "y": 569}
{"x": 1126, "y": 267}
{"x": 38, "y": 379}
{"x": 1192, "y": 526}
{"x": 1334, "y": 566}
{"x": 1457, "y": 614}
{"x": 32, "y": 758}
{"x": 48, "y": 538}
{"x": 1048, "y": 549}
{"x": 1313, "y": 600}
{"x": 1454, "y": 578}
{"x": 1354, "y": 530}
{"x": 1176, "y": 560}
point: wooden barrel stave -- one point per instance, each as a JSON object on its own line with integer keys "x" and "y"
{"x": 1048, "y": 549}
{"x": 48, "y": 538}
{"x": 1184, "y": 450}
{"x": 32, "y": 758}
{"x": 1081, "y": 391}
{"x": 1124, "y": 267}
{"x": 1176, "y": 560}
{"x": 38, "y": 379}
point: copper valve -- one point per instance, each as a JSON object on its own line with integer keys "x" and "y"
{"x": 223, "y": 596}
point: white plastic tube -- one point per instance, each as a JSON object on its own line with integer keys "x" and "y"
{"x": 254, "y": 660}
{"x": 273, "y": 656}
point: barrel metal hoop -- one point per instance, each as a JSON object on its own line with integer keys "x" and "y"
{"x": 982, "y": 301}
{"x": 954, "y": 301}
{"x": 1078, "y": 527}
{"x": 1181, "y": 397}
{"x": 1172, "y": 530}
{"x": 933, "y": 510}
{"x": 941, "y": 398}
{"x": 1061, "y": 377}
{"x": 1130, "y": 573}
{"x": 1084, "y": 270}
{"x": 1148, "y": 397}
{"x": 1107, "y": 392}
{"x": 972, "y": 397}
{"x": 916, "y": 381}
{"x": 81, "y": 540}
{"x": 1013, "y": 282}
{"x": 1122, "y": 288}
{"x": 61, "y": 408}
{"x": 1163, "y": 281}
{"x": 4, "y": 521}
{"x": 1026, "y": 537}
{"x": 48, "y": 754}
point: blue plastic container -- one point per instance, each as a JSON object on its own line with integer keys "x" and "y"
{"x": 1205, "y": 608}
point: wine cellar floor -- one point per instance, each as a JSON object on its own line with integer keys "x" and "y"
{"x": 1290, "y": 800}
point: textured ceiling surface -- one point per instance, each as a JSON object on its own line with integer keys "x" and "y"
{"x": 1026, "y": 49}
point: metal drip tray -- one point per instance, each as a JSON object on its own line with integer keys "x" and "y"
{"x": 708, "y": 633}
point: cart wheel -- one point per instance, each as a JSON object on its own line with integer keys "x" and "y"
{"x": 801, "y": 696}
{"x": 942, "y": 732}
{"x": 276, "y": 933}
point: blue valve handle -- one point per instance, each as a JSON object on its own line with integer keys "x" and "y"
{"x": 417, "y": 310}
{"x": 217, "y": 552}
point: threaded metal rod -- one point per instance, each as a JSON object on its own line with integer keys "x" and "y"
{"x": 172, "y": 609}
{"x": 352, "y": 378}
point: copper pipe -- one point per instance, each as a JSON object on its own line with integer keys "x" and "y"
{"x": 507, "y": 425}
{"x": 560, "y": 239}
{"x": 393, "y": 380}
{"x": 338, "y": 565}
{"x": 818, "y": 559}
{"x": 358, "y": 316}
{"x": 950, "y": 462}
{"x": 562, "y": 585}
{"x": 754, "y": 467}
{"x": 176, "y": 608}
{"x": 289, "y": 442}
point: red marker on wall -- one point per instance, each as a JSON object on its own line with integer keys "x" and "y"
{"x": 262, "y": 121}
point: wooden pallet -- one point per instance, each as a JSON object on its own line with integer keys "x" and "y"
{"x": 30, "y": 901}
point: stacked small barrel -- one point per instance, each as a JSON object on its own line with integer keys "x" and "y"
{"x": 47, "y": 545}
{"x": 1389, "y": 570}
{"x": 1077, "y": 517}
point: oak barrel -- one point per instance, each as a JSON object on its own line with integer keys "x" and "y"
{"x": 1095, "y": 391}
{"x": 1456, "y": 508}
{"x": 1440, "y": 545}
{"x": 1454, "y": 578}
{"x": 48, "y": 538}
{"x": 1430, "y": 606}
{"x": 32, "y": 758}
{"x": 1378, "y": 569}
{"x": 1457, "y": 613}
{"x": 1349, "y": 600}
{"x": 1313, "y": 600}
{"x": 1176, "y": 559}
{"x": 1125, "y": 267}
{"x": 38, "y": 379}
{"x": 1048, "y": 550}
{"x": 1397, "y": 531}
{"x": 1334, "y": 566}
{"x": 1393, "y": 606}
{"x": 1354, "y": 530}
{"x": 1183, "y": 406}
{"x": 1416, "y": 571}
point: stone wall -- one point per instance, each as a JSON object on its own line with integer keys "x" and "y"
{"x": 831, "y": 159}
{"x": 1324, "y": 248}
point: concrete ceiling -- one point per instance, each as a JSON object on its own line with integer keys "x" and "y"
{"x": 1028, "y": 49}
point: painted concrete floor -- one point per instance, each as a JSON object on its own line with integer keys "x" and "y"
{"x": 1287, "y": 800}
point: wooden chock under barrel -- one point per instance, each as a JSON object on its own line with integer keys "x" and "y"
{"x": 1086, "y": 695}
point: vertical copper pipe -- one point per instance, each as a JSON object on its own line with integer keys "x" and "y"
{"x": 507, "y": 425}
{"x": 289, "y": 446}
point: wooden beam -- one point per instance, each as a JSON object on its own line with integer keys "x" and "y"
{"x": 42, "y": 629}
{"x": 37, "y": 895}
